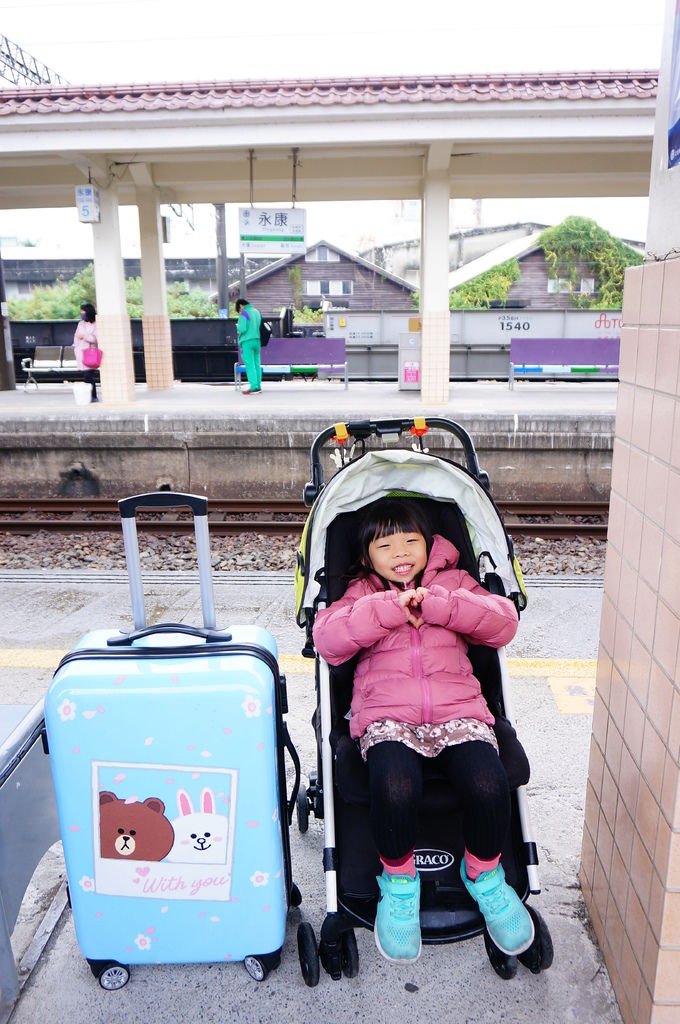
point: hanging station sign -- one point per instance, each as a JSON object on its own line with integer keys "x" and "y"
{"x": 267, "y": 229}
{"x": 87, "y": 202}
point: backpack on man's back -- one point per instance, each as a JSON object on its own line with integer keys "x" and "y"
{"x": 265, "y": 332}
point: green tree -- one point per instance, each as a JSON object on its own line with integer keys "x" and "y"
{"x": 579, "y": 243}
{"x": 186, "y": 303}
{"x": 491, "y": 286}
{"x": 295, "y": 279}
{"x": 308, "y": 316}
{"x": 575, "y": 248}
{"x": 62, "y": 300}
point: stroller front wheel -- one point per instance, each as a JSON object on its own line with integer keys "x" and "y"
{"x": 503, "y": 964}
{"x": 295, "y": 898}
{"x": 539, "y": 956}
{"x": 302, "y": 807}
{"x": 350, "y": 954}
{"x": 308, "y": 954}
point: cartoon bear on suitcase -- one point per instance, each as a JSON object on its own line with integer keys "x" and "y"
{"x": 135, "y": 830}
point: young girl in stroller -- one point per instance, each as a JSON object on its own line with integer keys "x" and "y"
{"x": 407, "y": 615}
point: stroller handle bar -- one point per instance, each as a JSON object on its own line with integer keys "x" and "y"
{"x": 360, "y": 430}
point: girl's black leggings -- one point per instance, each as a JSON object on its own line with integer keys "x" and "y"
{"x": 475, "y": 772}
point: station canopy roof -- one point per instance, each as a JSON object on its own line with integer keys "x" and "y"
{"x": 558, "y": 134}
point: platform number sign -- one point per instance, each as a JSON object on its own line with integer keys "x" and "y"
{"x": 87, "y": 202}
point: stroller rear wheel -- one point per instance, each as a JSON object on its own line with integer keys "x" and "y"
{"x": 308, "y": 954}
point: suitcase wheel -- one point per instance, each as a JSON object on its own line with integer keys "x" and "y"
{"x": 256, "y": 967}
{"x": 110, "y": 974}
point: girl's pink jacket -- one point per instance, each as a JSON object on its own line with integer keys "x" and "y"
{"x": 415, "y": 675}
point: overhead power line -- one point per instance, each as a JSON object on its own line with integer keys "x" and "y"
{"x": 20, "y": 68}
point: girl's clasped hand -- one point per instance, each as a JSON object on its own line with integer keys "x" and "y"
{"x": 410, "y": 601}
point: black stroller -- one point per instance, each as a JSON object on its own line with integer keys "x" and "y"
{"x": 459, "y": 506}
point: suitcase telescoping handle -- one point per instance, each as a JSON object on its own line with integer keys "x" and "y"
{"x": 214, "y": 636}
{"x": 166, "y": 499}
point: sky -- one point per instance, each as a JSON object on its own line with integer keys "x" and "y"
{"x": 112, "y": 41}
{"x": 93, "y": 42}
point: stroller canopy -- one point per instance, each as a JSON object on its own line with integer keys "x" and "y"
{"x": 398, "y": 471}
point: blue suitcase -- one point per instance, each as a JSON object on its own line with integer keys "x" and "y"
{"x": 167, "y": 752}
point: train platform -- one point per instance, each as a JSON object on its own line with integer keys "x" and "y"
{"x": 541, "y": 440}
{"x": 320, "y": 400}
{"x": 552, "y": 666}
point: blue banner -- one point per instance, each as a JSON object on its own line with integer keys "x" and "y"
{"x": 674, "y": 100}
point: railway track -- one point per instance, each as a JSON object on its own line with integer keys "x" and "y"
{"x": 275, "y": 517}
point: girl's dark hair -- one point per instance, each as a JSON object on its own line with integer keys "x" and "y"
{"x": 89, "y": 311}
{"x": 384, "y": 517}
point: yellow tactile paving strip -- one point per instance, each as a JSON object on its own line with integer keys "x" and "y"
{"x": 26, "y": 657}
{"x": 571, "y": 680}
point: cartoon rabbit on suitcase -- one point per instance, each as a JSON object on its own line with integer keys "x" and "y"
{"x": 200, "y": 836}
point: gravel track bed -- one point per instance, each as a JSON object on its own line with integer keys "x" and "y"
{"x": 250, "y": 552}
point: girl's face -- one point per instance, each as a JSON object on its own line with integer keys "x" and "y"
{"x": 400, "y": 557}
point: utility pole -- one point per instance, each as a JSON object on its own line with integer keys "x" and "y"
{"x": 243, "y": 288}
{"x": 7, "y": 377}
{"x": 222, "y": 264}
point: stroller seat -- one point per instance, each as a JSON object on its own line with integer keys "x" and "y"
{"x": 440, "y": 809}
{"x": 457, "y": 503}
{"x": 351, "y": 772}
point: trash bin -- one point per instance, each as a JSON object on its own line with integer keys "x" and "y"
{"x": 81, "y": 392}
{"x": 409, "y": 361}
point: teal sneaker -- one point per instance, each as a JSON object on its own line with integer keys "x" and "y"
{"x": 508, "y": 921}
{"x": 397, "y": 923}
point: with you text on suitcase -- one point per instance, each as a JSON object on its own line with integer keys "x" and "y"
{"x": 167, "y": 751}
